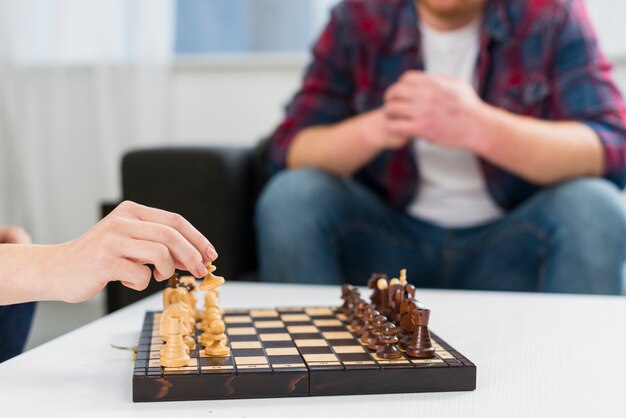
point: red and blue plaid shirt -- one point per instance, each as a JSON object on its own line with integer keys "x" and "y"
{"x": 538, "y": 58}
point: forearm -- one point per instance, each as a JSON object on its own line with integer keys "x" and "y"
{"x": 542, "y": 152}
{"x": 340, "y": 149}
{"x": 27, "y": 273}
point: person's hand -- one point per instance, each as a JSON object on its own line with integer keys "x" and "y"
{"x": 376, "y": 133}
{"x": 14, "y": 235}
{"x": 443, "y": 110}
{"x": 119, "y": 246}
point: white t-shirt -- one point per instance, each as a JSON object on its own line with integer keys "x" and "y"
{"x": 452, "y": 190}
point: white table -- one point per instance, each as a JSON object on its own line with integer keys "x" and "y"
{"x": 537, "y": 356}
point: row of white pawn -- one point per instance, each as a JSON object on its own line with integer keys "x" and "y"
{"x": 179, "y": 317}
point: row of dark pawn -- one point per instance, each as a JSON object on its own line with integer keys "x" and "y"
{"x": 383, "y": 336}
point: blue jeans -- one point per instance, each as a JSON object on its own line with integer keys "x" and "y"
{"x": 15, "y": 323}
{"x": 313, "y": 227}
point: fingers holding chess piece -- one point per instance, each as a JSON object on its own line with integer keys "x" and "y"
{"x": 389, "y": 338}
{"x": 216, "y": 340}
{"x": 211, "y": 281}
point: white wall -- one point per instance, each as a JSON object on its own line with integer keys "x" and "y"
{"x": 235, "y": 100}
{"x": 239, "y": 100}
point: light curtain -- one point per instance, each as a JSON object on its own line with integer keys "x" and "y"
{"x": 81, "y": 82}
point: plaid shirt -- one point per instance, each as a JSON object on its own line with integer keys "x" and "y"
{"x": 537, "y": 57}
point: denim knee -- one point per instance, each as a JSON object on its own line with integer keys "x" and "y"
{"x": 588, "y": 202}
{"x": 295, "y": 195}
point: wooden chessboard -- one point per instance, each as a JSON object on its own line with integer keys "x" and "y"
{"x": 291, "y": 352}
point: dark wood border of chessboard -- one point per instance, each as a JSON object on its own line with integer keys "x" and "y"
{"x": 225, "y": 382}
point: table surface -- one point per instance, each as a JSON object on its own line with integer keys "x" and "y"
{"x": 536, "y": 355}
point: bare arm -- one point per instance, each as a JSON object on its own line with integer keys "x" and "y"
{"x": 26, "y": 273}
{"x": 115, "y": 249}
{"x": 448, "y": 112}
{"x": 345, "y": 147}
{"x": 542, "y": 152}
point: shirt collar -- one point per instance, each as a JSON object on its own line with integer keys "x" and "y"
{"x": 496, "y": 25}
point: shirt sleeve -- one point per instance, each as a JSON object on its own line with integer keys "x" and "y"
{"x": 584, "y": 90}
{"x": 325, "y": 96}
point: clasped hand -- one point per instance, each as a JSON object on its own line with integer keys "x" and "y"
{"x": 439, "y": 109}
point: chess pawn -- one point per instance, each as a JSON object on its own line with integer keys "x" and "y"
{"x": 421, "y": 346}
{"x": 209, "y": 315}
{"x": 211, "y": 281}
{"x": 173, "y": 281}
{"x": 346, "y": 290}
{"x": 350, "y": 311}
{"x": 404, "y": 337}
{"x": 368, "y": 337}
{"x": 211, "y": 301}
{"x": 207, "y": 334}
{"x": 188, "y": 330}
{"x": 353, "y": 297}
{"x": 216, "y": 340}
{"x": 389, "y": 351}
{"x": 377, "y": 332}
{"x": 175, "y": 351}
{"x": 357, "y": 322}
{"x": 189, "y": 283}
{"x": 361, "y": 328}
{"x": 215, "y": 293}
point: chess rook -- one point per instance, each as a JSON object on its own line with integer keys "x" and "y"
{"x": 421, "y": 345}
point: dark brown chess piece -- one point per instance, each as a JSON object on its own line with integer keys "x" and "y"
{"x": 405, "y": 338}
{"x": 372, "y": 283}
{"x": 395, "y": 295}
{"x": 383, "y": 287}
{"x": 368, "y": 337}
{"x": 421, "y": 345}
{"x": 353, "y": 298}
{"x": 361, "y": 327}
{"x": 377, "y": 332}
{"x": 349, "y": 312}
{"x": 389, "y": 351}
{"x": 189, "y": 285}
{"x": 173, "y": 281}
{"x": 346, "y": 293}
{"x": 357, "y": 320}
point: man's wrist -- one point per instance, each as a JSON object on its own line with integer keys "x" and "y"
{"x": 489, "y": 122}
{"x": 371, "y": 128}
